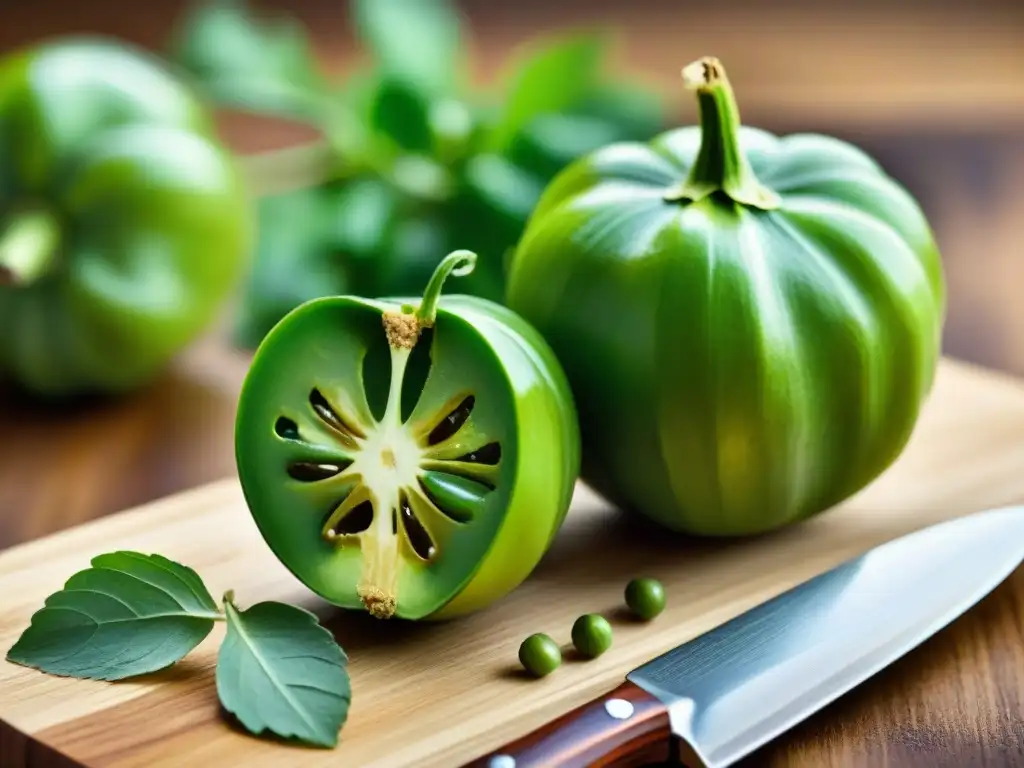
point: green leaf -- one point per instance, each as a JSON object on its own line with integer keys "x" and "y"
{"x": 259, "y": 64}
{"x": 279, "y": 670}
{"x": 363, "y": 211}
{"x": 551, "y": 142}
{"x": 494, "y": 203}
{"x": 551, "y": 79}
{"x": 294, "y": 260}
{"x": 402, "y": 113}
{"x": 417, "y": 243}
{"x": 416, "y": 41}
{"x": 508, "y": 190}
{"x": 635, "y": 110}
{"x": 129, "y": 614}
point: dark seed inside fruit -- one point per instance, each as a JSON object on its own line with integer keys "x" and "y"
{"x": 489, "y": 454}
{"x": 286, "y": 428}
{"x": 356, "y": 521}
{"x": 418, "y": 536}
{"x": 394, "y": 522}
{"x": 453, "y": 422}
{"x": 328, "y": 415}
{"x": 311, "y": 471}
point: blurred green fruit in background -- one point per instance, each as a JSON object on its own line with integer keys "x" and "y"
{"x": 124, "y": 224}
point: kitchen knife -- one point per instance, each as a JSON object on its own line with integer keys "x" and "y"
{"x": 723, "y": 694}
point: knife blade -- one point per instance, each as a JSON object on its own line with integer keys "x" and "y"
{"x": 720, "y": 696}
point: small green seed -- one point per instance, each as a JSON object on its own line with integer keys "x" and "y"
{"x": 645, "y": 597}
{"x": 592, "y": 635}
{"x": 540, "y": 655}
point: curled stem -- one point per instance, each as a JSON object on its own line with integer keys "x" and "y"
{"x": 403, "y": 328}
{"x": 457, "y": 263}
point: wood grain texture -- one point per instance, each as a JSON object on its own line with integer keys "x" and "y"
{"x": 438, "y": 695}
{"x": 589, "y": 736}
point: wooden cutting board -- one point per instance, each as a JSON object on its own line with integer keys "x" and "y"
{"x": 439, "y": 694}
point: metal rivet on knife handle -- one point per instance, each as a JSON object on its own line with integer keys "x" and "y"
{"x": 620, "y": 709}
{"x": 626, "y": 722}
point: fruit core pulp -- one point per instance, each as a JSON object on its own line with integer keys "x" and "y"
{"x": 402, "y": 478}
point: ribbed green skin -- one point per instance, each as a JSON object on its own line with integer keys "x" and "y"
{"x": 735, "y": 369}
{"x": 152, "y": 219}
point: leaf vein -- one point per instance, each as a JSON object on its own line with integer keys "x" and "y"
{"x": 85, "y": 644}
{"x": 203, "y": 599}
{"x": 308, "y": 656}
{"x": 318, "y": 689}
{"x": 141, "y": 580}
{"x": 269, "y": 672}
{"x": 134, "y": 618}
{"x": 115, "y": 598}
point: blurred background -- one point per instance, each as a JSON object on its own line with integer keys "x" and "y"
{"x": 934, "y": 90}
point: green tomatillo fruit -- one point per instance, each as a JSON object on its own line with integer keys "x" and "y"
{"x": 540, "y": 655}
{"x": 123, "y": 222}
{"x": 749, "y": 323}
{"x": 591, "y": 635}
{"x": 645, "y": 597}
{"x": 412, "y": 460}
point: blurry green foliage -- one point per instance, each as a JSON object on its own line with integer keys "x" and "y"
{"x": 414, "y": 162}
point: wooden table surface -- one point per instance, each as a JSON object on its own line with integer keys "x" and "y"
{"x": 954, "y": 702}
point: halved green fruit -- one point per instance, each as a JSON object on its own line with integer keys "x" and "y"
{"x": 413, "y": 462}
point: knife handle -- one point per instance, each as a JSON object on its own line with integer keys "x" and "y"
{"x": 625, "y": 727}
